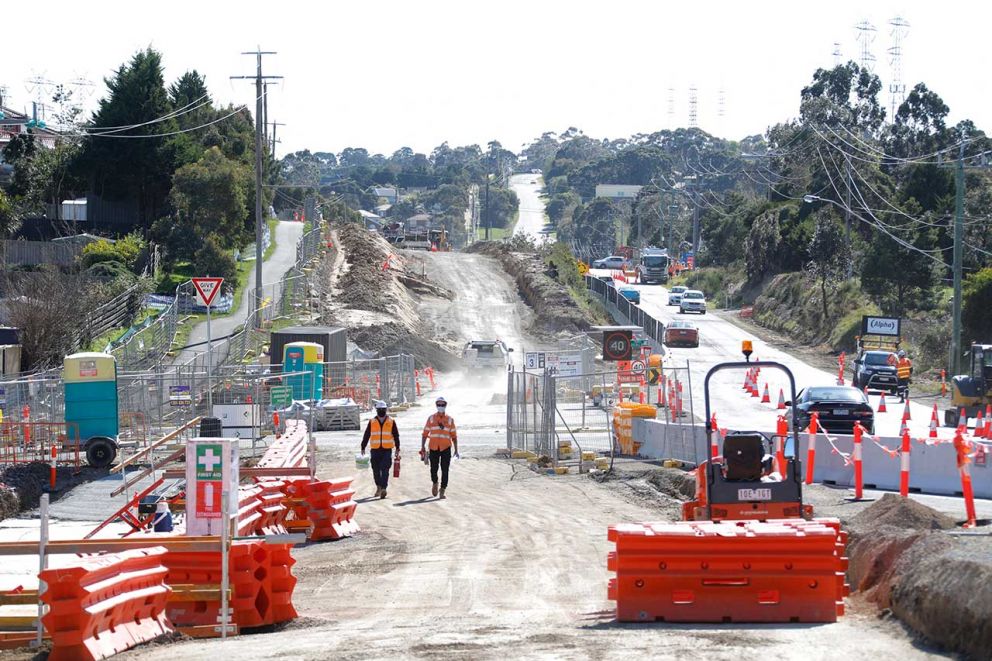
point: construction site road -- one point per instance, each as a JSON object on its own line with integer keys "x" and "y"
{"x": 485, "y": 305}
{"x": 720, "y": 341}
{"x": 510, "y": 565}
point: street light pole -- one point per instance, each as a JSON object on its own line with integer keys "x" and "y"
{"x": 958, "y": 250}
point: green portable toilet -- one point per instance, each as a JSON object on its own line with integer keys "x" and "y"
{"x": 306, "y": 357}
{"x": 91, "y": 404}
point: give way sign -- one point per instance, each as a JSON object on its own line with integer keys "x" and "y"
{"x": 207, "y": 289}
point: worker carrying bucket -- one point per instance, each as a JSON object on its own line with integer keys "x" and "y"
{"x": 381, "y": 435}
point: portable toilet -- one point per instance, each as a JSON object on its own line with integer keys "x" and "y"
{"x": 91, "y": 404}
{"x": 306, "y": 357}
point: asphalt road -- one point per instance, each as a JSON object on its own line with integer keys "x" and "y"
{"x": 273, "y": 269}
{"x": 532, "y": 219}
{"x": 720, "y": 341}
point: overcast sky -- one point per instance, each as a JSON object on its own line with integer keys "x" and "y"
{"x": 388, "y": 74}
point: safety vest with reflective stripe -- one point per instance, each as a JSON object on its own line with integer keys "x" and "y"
{"x": 438, "y": 438}
{"x": 381, "y": 435}
{"x": 904, "y": 368}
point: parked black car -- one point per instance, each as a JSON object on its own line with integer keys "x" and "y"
{"x": 872, "y": 369}
{"x": 838, "y": 408}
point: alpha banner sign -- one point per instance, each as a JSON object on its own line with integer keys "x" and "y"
{"x": 880, "y": 326}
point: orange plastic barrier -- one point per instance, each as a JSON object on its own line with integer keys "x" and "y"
{"x": 106, "y": 604}
{"x": 261, "y": 583}
{"x": 331, "y": 508}
{"x": 733, "y": 571}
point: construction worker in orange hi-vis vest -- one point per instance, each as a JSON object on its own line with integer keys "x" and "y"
{"x": 383, "y": 435}
{"x": 439, "y": 436}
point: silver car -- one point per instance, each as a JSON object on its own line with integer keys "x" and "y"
{"x": 692, "y": 300}
{"x": 675, "y": 294}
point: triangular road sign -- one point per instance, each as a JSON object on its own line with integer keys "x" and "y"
{"x": 207, "y": 289}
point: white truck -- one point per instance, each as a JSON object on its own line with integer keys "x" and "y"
{"x": 486, "y": 355}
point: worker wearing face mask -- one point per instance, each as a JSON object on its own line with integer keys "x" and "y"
{"x": 383, "y": 435}
{"x": 439, "y": 436}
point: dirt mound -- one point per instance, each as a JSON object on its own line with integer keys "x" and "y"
{"x": 905, "y": 513}
{"x": 941, "y": 586}
{"x": 674, "y": 483}
{"x": 945, "y": 593}
{"x": 392, "y": 338}
{"x": 556, "y": 311}
{"x": 378, "y": 304}
{"x": 21, "y": 485}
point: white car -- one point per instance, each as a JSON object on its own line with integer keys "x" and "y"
{"x": 692, "y": 300}
{"x": 675, "y": 294}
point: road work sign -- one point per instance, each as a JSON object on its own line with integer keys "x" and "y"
{"x": 211, "y": 469}
{"x": 566, "y": 364}
{"x": 616, "y": 345}
{"x": 535, "y": 360}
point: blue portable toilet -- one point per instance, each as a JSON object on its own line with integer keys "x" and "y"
{"x": 307, "y": 357}
{"x": 91, "y": 404}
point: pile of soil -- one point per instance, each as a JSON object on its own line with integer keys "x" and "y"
{"x": 556, "y": 311}
{"x": 21, "y": 485}
{"x": 674, "y": 482}
{"x": 377, "y": 305}
{"x": 940, "y": 585}
{"x": 905, "y": 513}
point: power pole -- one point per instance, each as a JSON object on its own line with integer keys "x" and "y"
{"x": 274, "y": 141}
{"x": 958, "y": 250}
{"x": 847, "y": 216}
{"x": 957, "y": 267}
{"x": 259, "y": 146}
{"x": 487, "y": 207}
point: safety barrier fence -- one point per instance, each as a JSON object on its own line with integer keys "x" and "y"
{"x": 25, "y": 442}
{"x": 103, "y": 605}
{"x": 628, "y": 313}
{"x": 734, "y": 571}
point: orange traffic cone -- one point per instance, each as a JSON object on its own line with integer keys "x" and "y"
{"x": 765, "y": 399}
{"x": 988, "y": 421}
{"x": 963, "y": 421}
{"x": 781, "y": 400}
{"x": 979, "y": 424}
{"x": 905, "y": 411}
{"x": 747, "y": 380}
{"x": 754, "y": 387}
{"x": 881, "y": 404}
{"x": 904, "y": 428}
{"x": 933, "y": 422}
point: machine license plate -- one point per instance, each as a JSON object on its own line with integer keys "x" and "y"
{"x": 887, "y": 379}
{"x": 754, "y": 494}
{"x": 841, "y": 411}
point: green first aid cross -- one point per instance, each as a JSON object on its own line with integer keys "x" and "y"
{"x": 209, "y": 462}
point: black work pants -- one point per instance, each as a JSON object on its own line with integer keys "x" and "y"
{"x": 381, "y": 460}
{"x": 442, "y": 458}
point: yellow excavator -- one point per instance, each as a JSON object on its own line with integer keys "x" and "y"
{"x": 971, "y": 392}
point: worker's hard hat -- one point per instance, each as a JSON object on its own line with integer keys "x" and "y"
{"x": 441, "y": 400}
{"x": 381, "y": 405}
{"x": 902, "y": 353}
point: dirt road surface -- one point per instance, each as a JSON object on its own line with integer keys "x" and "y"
{"x": 511, "y": 565}
{"x": 485, "y": 306}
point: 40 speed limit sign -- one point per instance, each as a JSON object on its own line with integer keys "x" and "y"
{"x": 616, "y": 345}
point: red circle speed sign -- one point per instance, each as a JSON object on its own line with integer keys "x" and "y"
{"x": 616, "y": 345}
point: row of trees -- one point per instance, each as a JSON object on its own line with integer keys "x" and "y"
{"x": 181, "y": 166}
{"x": 841, "y": 190}
{"x": 442, "y": 181}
